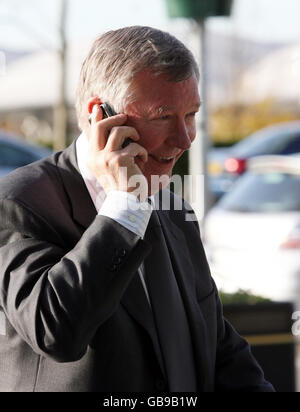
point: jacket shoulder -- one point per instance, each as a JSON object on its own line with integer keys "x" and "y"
{"x": 33, "y": 196}
{"x": 34, "y": 178}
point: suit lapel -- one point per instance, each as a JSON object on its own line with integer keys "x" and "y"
{"x": 174, "y": 334}
{"x": 186, "y": 279}
{"x": 82, "y": 207}
{"x": 135, "y": 302}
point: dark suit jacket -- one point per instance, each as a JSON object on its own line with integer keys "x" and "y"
{"x": 76, "y": 315}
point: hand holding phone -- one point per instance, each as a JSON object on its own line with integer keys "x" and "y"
{"x": 108, "y": 111}
{"x": 115, "y": 159}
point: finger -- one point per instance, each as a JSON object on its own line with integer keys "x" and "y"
{"x": 136, "y": 150}
{"x": 118, "y": 136}
{"x": 97, "y": 139}
{"x": 100, "y": 129}
{"x": 96, "y": 114}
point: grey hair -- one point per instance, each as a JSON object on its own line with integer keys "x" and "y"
{"x": 116, "y": 57}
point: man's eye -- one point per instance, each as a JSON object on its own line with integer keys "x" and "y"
{"x": 161, "y": 118}
{"x": 192, "y": 114}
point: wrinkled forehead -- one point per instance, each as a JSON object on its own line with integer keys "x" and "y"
{"x": 158, "y": 94}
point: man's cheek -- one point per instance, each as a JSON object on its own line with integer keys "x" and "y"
{"x": 140, "y": 163}
{"x": 151, "y": 138}
{"x": 145, "y": 141}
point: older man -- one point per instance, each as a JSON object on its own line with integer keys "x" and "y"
{"x": 99, "y": 292}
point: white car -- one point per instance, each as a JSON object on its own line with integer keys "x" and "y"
{"x": 252, "y": 236}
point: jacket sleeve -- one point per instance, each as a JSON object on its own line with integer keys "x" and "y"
{"x": 236, "y": 367}
{"x": 54, "y": 298}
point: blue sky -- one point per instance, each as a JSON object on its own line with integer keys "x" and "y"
{"x": 34, "y": 23}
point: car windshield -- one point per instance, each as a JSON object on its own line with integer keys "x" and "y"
{"x": 268, "y": 192}
{"x": 271, "y": 142}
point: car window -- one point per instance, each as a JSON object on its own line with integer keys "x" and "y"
{"x": 268, "y": 192}
{"x": 280, "y": 142}
{"x": 14, "y": 156}
{"x": 293, "y": 146}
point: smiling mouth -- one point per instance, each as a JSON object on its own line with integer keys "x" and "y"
{"x": 163, "y": 160}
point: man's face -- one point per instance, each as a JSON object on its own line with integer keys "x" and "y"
{"x": 163, "y": 113}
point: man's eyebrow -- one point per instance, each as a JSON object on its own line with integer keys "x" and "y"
{"x": 159, "y": 109}
{"x": 163, "y": 109}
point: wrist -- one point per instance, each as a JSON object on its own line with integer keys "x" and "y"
{"x": 126, "y": 209}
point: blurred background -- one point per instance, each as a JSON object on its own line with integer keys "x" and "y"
{"x": 248, "y": 150}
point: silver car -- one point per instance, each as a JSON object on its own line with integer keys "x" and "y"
{"x": 252, "y": 236}
{"x": 15, "y": 153}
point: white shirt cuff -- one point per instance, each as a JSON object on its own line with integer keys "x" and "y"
{"x": 126, "y": 209}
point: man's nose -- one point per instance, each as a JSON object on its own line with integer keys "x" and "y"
{"x": 182, "y": 138}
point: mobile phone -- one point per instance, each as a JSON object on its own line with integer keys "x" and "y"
{"x": 108, "y": 111}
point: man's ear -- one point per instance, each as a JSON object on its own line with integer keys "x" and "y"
{"x": 91, "y": 103}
